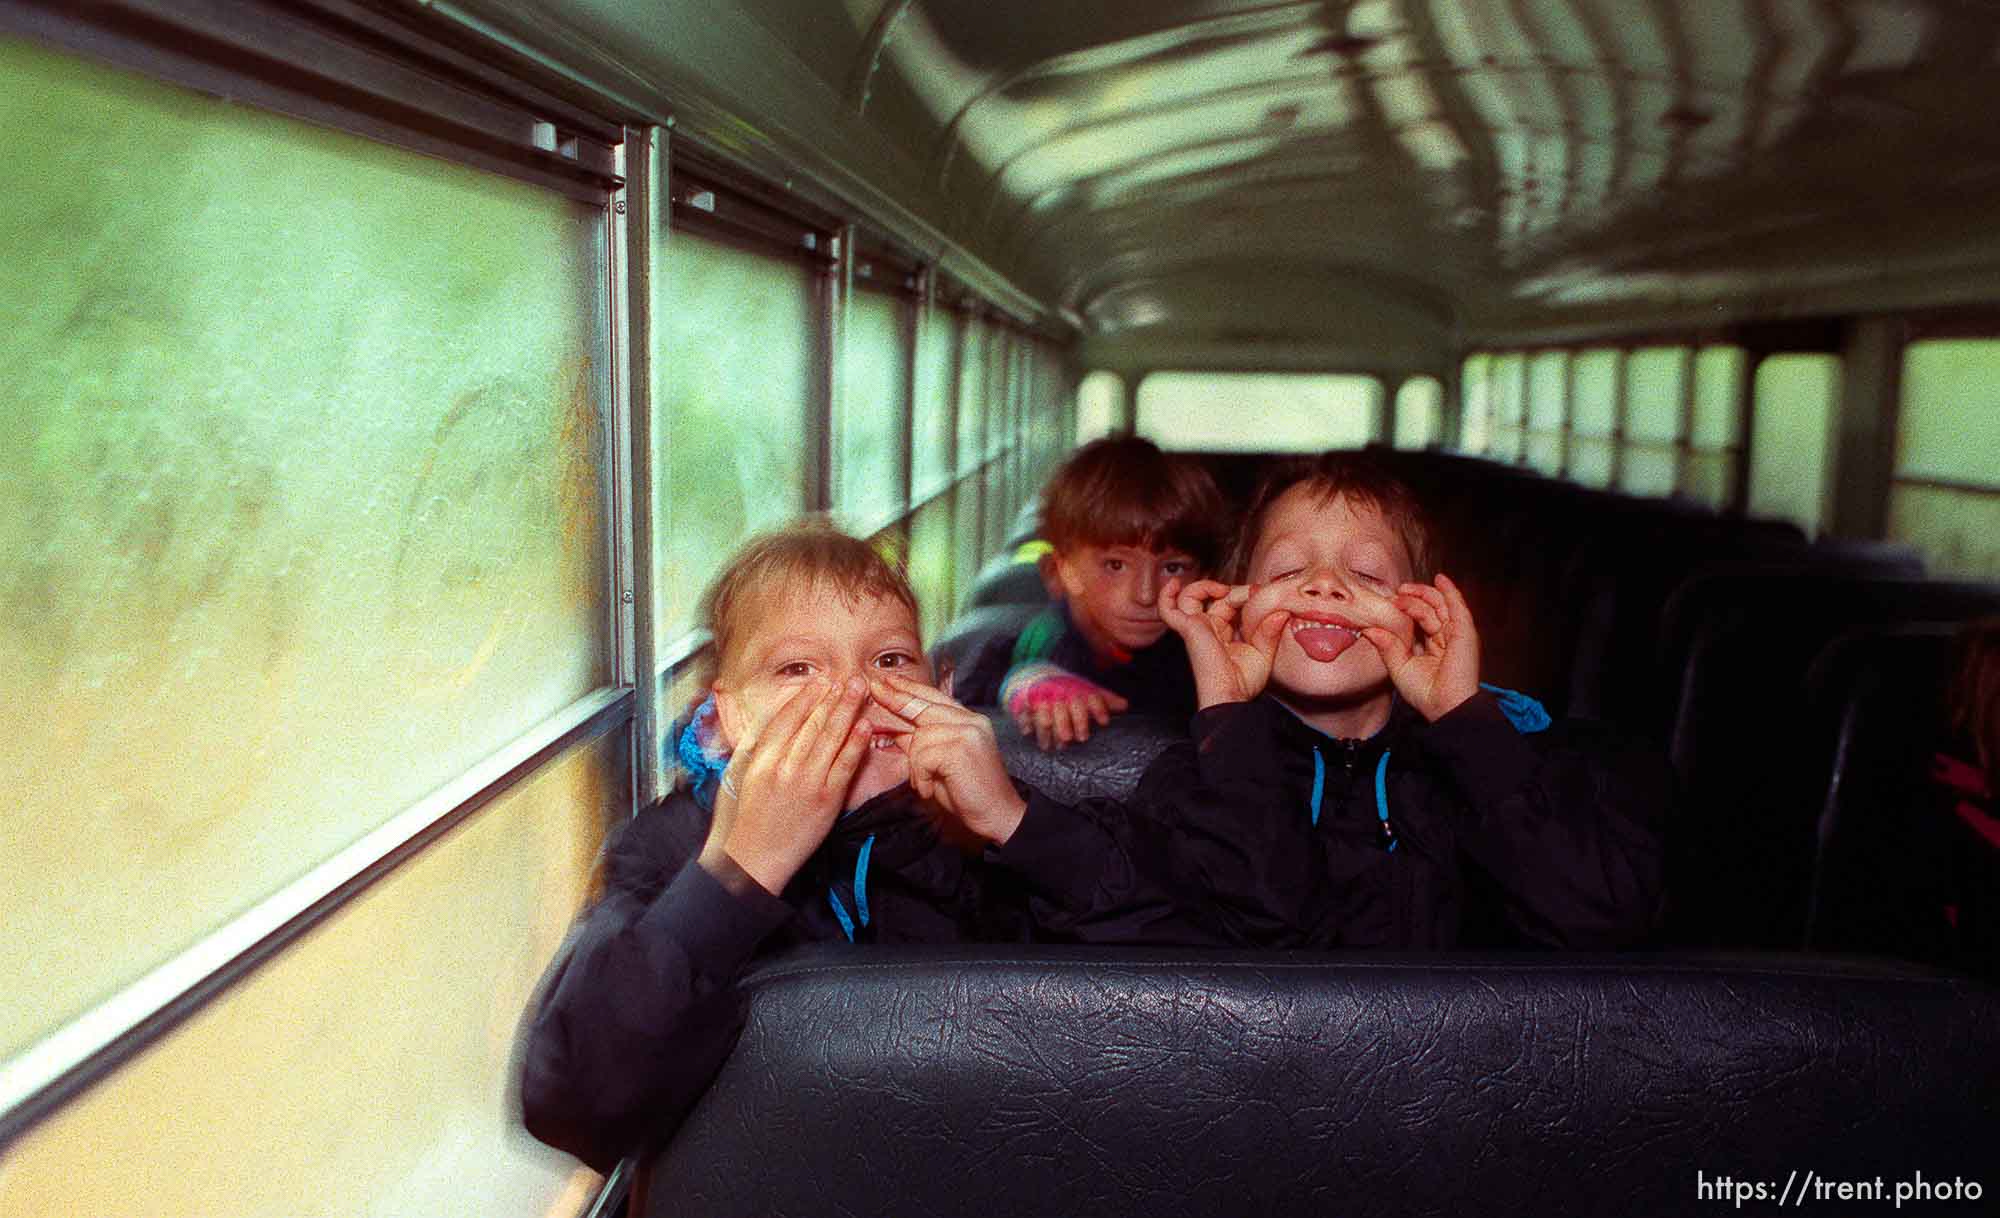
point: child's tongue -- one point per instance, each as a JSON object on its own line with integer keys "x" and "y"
{"x": 1325, "y": 643}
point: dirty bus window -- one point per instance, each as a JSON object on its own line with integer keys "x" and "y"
{"x": 306, "y": 473}
{"x": 875, "y": 394}
{"x": 730, "y": 447}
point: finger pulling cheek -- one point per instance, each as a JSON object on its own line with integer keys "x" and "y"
{"x": 1263, "y": 600}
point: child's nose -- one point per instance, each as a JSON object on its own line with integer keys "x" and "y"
{"x": 1146, "y": 589}
{"x": 1326, "y": 582}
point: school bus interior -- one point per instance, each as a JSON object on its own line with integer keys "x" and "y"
{"x": 385, "y": 378}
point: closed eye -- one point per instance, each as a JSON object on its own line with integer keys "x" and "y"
{"x": 1292, "y": 573}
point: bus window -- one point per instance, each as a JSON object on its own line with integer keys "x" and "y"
{"x": 875, "y": 395}
{"x": 1655, "y": 398}
{"x": 1509, "y": 388}
{"x": 1000, "y": 389}
{"x": 1717, "y": 416}
{"x": 968, "y": 537}
{"x": 264, "y": 533}
{"x": 736, "y": 346}
{"x": 1792, "y": 441}
{"x": 1259, "y": 412}
{"x": 931, "y": 446}
{"x": 306, "y": 511}
{"x": 973, "y": 364}
{"x": 1945, "y": 497}
{"x": 1594, "y": 416}
{"x": 1098, "y": 400}
{"x": 1419, "y": 413}
{"x": 1475, "y": 425}
{"x": 1548, "y": 406}
{"x": 930, "y": 563}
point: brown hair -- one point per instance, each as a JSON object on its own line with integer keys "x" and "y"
{"x": 1359, "y": 477}
{"x": 1123, "y": 491}
{"x": 1974, "y": 704}
{"x": 810, "y": 549}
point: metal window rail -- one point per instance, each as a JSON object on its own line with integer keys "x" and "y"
{"x": 348, "y": 66}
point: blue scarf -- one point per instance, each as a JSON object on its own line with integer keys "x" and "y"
{"x": 700, "y": 753}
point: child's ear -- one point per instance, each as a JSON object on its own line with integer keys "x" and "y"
{"x": 729, "y": 717}
{"x": 1052, "y": 581}
{"x": 1069, "y": 575}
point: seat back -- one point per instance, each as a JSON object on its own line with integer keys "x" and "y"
{"x": 1007, "y": 581}
{"x": 1129, "y": 1084}
{"x": 1615, "y": 589}
{"x": 1108, "y": 765}
{"x": 1878, "y": 869}
{"x": 971, "y": 629}
{"x": 1751, "y": 765}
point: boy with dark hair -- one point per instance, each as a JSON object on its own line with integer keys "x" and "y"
{"x": 1123, "y": 518}
{"x": 1351, "y": 783}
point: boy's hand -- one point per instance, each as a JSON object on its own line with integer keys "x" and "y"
{"x": 787, "y": 780}
{"x": 954, "y": 761}
{"x": 1442, "y": 669}
{"x": 1056, "y": 707}
{"x": 1228, "y": 665}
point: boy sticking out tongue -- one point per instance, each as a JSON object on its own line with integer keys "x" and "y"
{"x": 1350, "y": 782}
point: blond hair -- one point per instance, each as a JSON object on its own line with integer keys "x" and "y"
{"x": 811, "y": 550}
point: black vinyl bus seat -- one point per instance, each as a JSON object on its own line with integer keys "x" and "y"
{"x": 1108, "y": 765}
{"x": 1739, "y": 855}
{"x": 1738, "y": 587}
{"x": 1007, "y": 580}
{"x": 1879, "y": 871}
{"x": 1612, "y": 596}
{"x": 971, "y": 629}
{"x": 1132, "y": 1084}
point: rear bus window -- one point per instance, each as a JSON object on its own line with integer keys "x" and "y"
{"x": 1259, "y": 412}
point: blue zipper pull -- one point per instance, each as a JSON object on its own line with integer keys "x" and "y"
{"x": 847, "y": 921}
{"x": 1319, "y": 783}
{"x": 1382, "y": 801}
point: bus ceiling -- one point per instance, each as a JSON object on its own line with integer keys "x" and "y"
{"x": 1404, "y": 178}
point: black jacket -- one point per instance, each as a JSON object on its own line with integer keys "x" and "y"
{"x": 640, "y": 1008}
{"x": 1157, "y": 680}
{"x": 1494, "y": 836}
